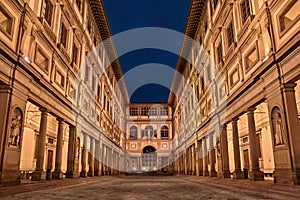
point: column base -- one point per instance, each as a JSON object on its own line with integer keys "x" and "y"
{"x": 38, "y": 175}
{"x": 57, "y": 175}
{"x": 284, "y": 176}
{"x": 238, "y": 175}
{"x": 224, "y": 174}
{"x": 83, "y": 173}
{"x": 205, "y": 173}
{"x": 256, "y": 176}
{"x": 213, "y": 174}
{"x": 90, "y": 173}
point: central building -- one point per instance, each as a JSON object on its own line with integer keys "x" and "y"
{"x": 149, "y": 136}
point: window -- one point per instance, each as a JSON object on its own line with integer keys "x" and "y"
{"x": 89, "y": 24}
{"x": 63, "y": 35}
{"x": 245, "y": 7}
{"x": 48, "y": 11}
{"x": 133, "y": 132}
{"x": 98, "y": 92}
{"x": 219, "y": 53}
{"x": 40, "y": 59}
{"x": 6, "y": 21}
{"x": 164, "y": 111}
{"x": 59, "y": 78}
{"x": 75, "y": 54}
{"x": 145, "y": 111}
{"x": 149, "y": 131}
{"x": 234, "y": 77}
{"x": 134, "y": 111}
{"x": 290, "y": 15}
{"x": 79, "y": 5}
{"x": 164, "y": 132}
{"x": 230, "y": 34}
{"x": 153, "y": 111}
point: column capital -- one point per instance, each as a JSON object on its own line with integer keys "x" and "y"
{"x": 289, "y": 86}
{"x": 235, "y": 119}
{"x": 44, "y": 110}
{"x": 60, "y": 120}
{"x": 251, "y": 109}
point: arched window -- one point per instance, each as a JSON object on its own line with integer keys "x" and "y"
{"x": 149, "y": 131}
{"x": 133, "y": 132}
{"x": 164, "y": 132}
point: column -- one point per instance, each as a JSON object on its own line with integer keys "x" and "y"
{"x": 255, "y": 174}
{"x": 196, "y": 157}
{"x": 185, "y": 162}
{"x": 84, "y": 156}
{"x": 205, "y": 157}
{"x": 91, "y": 157}
{"x": 212, "y": 156}
{"x": 224, "y": 172}
{"x": 237, "y": 174}
{"x": 39, "y": 172}
{"x": 71, "y": 152}
{"x": 292, "y": 122}
{"x": 193, "y": 160}
{"x": 58, "y": 174}
{"x": 97, "y": 159}
{"x": 200, "y": 158}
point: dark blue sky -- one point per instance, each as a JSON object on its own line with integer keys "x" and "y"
{"x": 124, "y": 15}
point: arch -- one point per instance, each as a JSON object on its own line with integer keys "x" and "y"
{"x": 133, "y": 132}
{"x": 164, "y": 132}
{"x": 149, "y": 149}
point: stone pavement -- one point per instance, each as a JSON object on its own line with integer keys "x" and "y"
{"x": 150, "y": 187}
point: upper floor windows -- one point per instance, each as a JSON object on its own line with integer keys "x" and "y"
{"x": 49, "y": 8}
{"x": 79, "y": 5}
{"x": 133, "y": 132}
{"x": 63, "y": 35}
{"x": 6, "y": 21}
{"x": 145, "y": 111}
{"x": 246, "y": 10}
{"x": 164, "y": 132}
{"x": 290, "y": 15}
{"x": 75, "y": 54}
{"x": 230, "y": 34}
{"x": 219, "y": 53}
{"x": 134, "y": 111}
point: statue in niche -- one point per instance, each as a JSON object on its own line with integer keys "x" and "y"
{"x": 15, "y": 128}
{"x": 277, "y": 127}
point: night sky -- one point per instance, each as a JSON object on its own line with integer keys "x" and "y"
{"x": 124, "y": 15}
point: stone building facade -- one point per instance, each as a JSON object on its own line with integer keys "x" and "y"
{"x": 245, "y": 95}
{"x": 62, "y": 111}
{"x": 149, "y": 136}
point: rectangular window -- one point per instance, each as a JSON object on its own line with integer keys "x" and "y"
{"x": 48, "y": 11}
{"x": 145, "y": 111}
{"x": 87, "y": 73}
{"x": 246, "y": 10}
{"x": 63, "y": 35}
{"x": 164, "y": 111}
{"x": 79, "y": 5}
{"x": 230, "y": 34}
{"x": 134, "y": 111}
{"x": 6, "y": 21}
{"x": 75, "y": 54}
{"x": 153, "y": 111}
{"x": 220, "y": 53}
{"x": 40, "y": 59}
{"x": 89, "y": 24}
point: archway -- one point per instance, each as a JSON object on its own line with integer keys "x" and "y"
{"x": 149, "y": 159}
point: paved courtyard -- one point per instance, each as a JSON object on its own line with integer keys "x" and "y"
{"x": 153, "y": 187}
